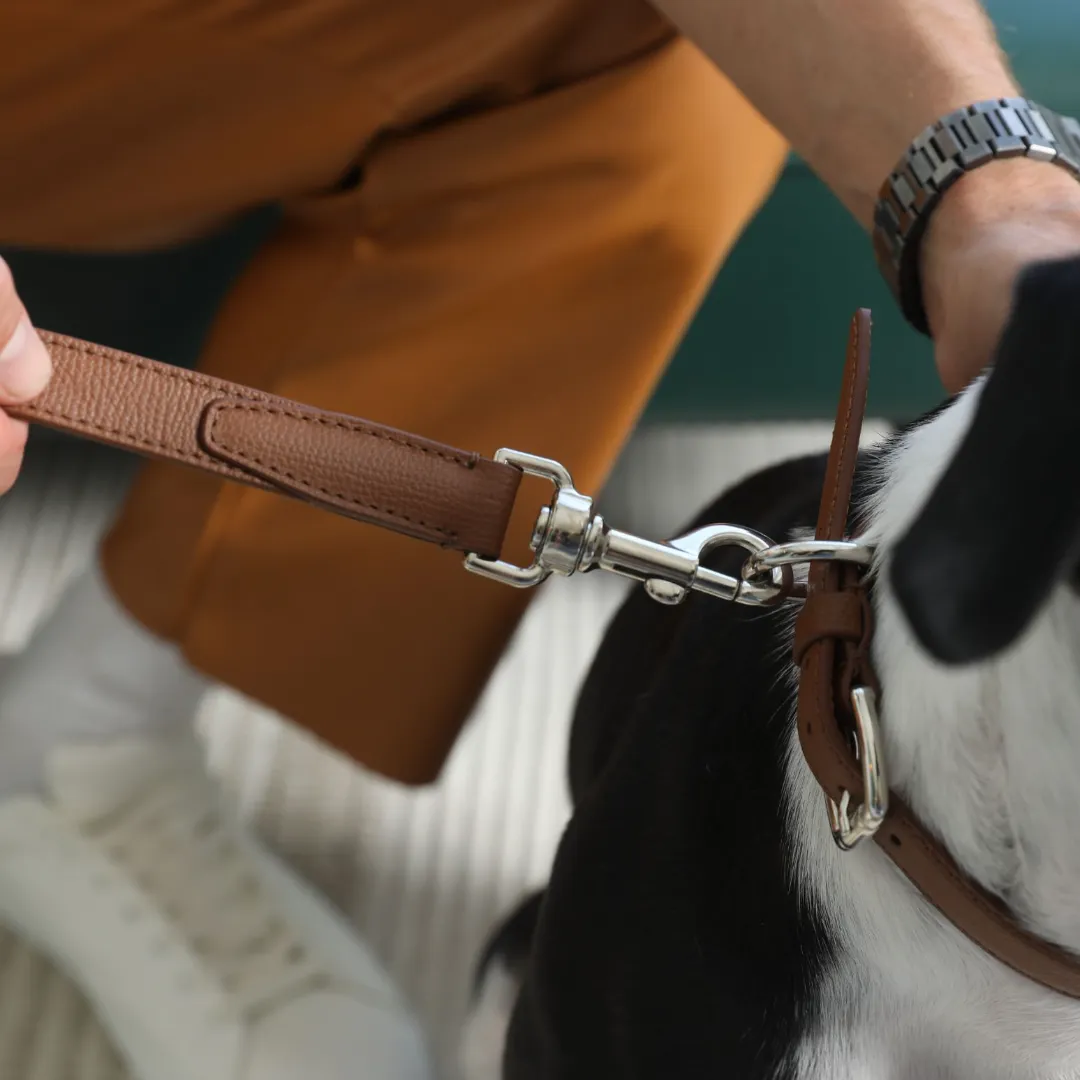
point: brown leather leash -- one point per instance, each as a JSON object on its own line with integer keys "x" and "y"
{"x": 832, "y": 648}
{"x": 349, "y": 466}
{"x": 463, "y": 501}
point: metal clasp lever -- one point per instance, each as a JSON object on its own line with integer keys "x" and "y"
{"x": 570, "y": 538}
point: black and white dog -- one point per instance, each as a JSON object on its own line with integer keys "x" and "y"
{"x": 699, "y": 921}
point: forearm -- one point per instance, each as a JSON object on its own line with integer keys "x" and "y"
{"x": 850, "y": 82}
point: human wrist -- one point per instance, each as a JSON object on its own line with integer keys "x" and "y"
{"x": 967, "y": 160}
{"x": 861, "y": 190}
{"x": 1014, "y": 211}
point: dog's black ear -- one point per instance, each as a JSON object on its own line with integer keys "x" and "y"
{"x": 1002, "y": 527}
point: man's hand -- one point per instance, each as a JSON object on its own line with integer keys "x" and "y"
{"x": 25, "y": 368}
{"x": 990, "y": 226}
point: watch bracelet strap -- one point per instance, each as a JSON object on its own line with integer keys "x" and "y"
{"x": 950, "y": 147}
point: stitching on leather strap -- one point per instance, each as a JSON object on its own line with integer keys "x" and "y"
{"x": 341, "y": 423}
{"x": 116, "y": 432}
{"x": 253, "y": 404}
{"x": 74, "y": 345}
{"x": 841, "y": 466}
{"x": 314, "y": 489}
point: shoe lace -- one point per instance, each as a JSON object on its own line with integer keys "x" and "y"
{"x": 174, "y": 841}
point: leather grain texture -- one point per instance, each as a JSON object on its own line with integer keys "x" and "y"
{"x": 342, "y": 464}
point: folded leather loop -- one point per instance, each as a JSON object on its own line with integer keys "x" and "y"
{"x": 339, "y": 463}
{"x": 832, "y": 647}
{"x": 437, "y": 494}
{"x": 837, "y": 615}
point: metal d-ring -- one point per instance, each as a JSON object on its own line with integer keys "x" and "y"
{"x": 852, "y": 827}
{"x": 798, "y": 552}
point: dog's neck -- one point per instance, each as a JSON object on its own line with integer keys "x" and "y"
{"x": 988, "y": 757}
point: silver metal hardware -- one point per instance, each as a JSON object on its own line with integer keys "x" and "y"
{"x": 525, "y": 577}
{"x": 570, "y": 538}
{"x": 850, "y": 828}
{"x": 797, "y": 552}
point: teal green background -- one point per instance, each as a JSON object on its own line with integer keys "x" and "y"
{"x": 767, "y": 342}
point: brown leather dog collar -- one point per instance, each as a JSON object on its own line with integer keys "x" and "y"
{"x": 832, "y": 648}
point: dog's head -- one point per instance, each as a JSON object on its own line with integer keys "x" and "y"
{"x": 1001, "y": 528}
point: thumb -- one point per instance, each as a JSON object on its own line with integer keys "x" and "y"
{"x": 25, "y": 364}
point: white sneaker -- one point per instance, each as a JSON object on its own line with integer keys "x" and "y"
{"x": 203, "y": 956}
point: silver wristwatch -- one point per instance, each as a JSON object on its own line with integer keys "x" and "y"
{"x": 954, "y": 145}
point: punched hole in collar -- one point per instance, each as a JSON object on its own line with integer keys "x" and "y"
{"x": 894, "y": 840}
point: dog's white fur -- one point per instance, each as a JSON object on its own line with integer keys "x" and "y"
{"x": 989, "y": 756}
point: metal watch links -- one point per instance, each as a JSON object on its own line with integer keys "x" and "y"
{"x": 946, "y": 150}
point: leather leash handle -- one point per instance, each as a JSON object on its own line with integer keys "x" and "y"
{"x": 339, "y": 463}
{"x": 832, "y": 636}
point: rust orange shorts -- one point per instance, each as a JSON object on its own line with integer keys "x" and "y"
{"x": 539, "y": 193}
